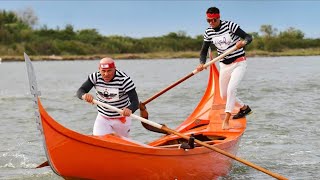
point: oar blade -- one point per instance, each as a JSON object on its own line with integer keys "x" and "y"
{"x": 143, "y": 111}
{"x": 31, "y": 76}
{"x": 144, "y": 114}
{"x": 44, "y": 164}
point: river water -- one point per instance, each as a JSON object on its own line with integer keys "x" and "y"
{"x": 282, "y": 134}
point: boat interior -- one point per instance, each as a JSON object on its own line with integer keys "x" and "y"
{"x": 209, "y": 139}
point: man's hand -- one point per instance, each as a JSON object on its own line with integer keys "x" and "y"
{"x": 200, "y": 67}
{"x": 88, "y": 97}
{"x": 241, "y": 44}
{"x": 126, "y": 112}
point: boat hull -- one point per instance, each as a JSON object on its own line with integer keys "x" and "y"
{"x": 74, "y": 155}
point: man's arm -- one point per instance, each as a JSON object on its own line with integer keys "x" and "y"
{"x": 204, "y": 51}
{"x": 85, "y": 88}
{"x": 134, "y": 100}
{"x": 247, "y": 37}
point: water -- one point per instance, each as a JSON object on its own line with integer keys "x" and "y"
{"x": 282, "y": 134}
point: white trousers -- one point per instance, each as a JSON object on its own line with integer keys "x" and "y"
{"x": 229, "y": 79}
{"x": 103, "y": 125}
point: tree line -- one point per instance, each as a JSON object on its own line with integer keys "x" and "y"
{"x": 18, "y": 35}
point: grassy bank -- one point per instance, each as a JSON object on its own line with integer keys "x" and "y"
{"x": 163, "y": 55}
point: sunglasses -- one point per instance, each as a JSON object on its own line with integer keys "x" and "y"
{"x": 213, "y": 19}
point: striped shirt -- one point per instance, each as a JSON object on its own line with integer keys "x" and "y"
{"x": 224, "y": 38}
{"x": 113, "y": 92}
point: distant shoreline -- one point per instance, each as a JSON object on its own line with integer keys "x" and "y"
{"x": 159, "y": 55}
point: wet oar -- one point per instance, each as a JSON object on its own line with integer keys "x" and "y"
{"x": 170, "y": 131}
{"x": 44, "y": 164}
{"x": 142, "y": 107}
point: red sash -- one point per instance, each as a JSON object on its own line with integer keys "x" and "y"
{"x": 242, "y": 58}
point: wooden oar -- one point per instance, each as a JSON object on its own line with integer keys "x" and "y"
{"x": 142, "y": 106}
{"x": 44, "y": 164}
{"x": 170, "y": 131}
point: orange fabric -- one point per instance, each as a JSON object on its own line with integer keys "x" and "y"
{"x": 122, "y": 119}
{"x": 242, "y": 58}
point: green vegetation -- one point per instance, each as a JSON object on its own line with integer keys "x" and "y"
{"x": 17, "y": 35}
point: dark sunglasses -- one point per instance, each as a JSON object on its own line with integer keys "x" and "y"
{"x": 213, "y": 19}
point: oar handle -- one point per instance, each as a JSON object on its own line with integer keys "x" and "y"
{"x": 189, "y": 75}
{"x": 151, "y": 123}
{"x": 167, "y": 88}
{"x": 217, "y": 58}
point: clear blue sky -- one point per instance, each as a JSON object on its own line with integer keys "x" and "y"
{"x": 156, "y": 18}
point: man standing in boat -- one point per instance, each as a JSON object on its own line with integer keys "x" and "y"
{"x": 224, "y": 35}
{"x": 115, "y": 88}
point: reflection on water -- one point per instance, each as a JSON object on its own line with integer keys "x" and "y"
{"x": 282, "y": 134}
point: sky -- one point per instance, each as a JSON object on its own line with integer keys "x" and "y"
{"x": 151, "y": 18}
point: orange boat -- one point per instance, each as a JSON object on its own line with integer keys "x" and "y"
{"x": 74, "y": 155}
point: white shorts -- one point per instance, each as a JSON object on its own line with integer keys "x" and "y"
{"x": 104, "y": 125}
